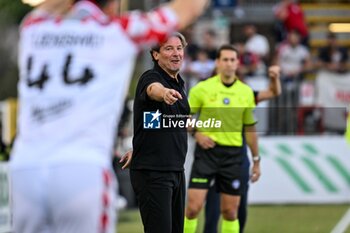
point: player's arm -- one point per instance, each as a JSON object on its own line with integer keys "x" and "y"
{"x": 187, "y": 11}
{"x": 156, "y": 91}
{"x": 308, "y": 66}
{"x": 252, "y": 142}
{"x": 55, "y": 7}
{"x": 146, "y": 29}
{"x": 274, "y": 88}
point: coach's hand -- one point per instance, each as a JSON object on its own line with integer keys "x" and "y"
{"x": 126, "y": 159}
{"x": 255, "y": 171}
{"x": 156, "y": 91}
{"x": 171, "y": 96}
{"x": 204, "y": 141}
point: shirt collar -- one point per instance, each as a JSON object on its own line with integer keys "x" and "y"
{"x": 165, "y": 75}
{"x": 220, "y": 81}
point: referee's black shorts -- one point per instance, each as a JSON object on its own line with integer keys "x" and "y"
{"x": 222, "y": 163}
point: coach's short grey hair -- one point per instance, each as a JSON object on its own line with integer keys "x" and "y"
{"x": 157, "y": 47}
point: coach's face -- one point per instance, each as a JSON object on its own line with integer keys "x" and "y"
{"x": 170, "y": 55}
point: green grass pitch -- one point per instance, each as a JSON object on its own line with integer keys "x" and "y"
{"x": 266, "y": 219}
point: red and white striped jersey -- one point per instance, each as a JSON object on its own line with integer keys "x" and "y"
{"x": 74, "y": 75}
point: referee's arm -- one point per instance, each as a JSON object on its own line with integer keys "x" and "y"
{"x": 252, "y": 142}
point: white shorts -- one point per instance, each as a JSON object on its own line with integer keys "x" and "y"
{"x": 64, "y": 199}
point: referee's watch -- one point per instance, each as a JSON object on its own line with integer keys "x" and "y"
{"x": 256, "y": 158}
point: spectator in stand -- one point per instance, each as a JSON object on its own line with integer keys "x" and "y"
{"x": 294, "y": 60}
{"x": 209, "y": 43}
{"x": 191, "y": 51}
{"x": 257, "y": 44}
{"x": 293, "y": 57}
{"x": 201, "y": 68}
{"x": 333, "y": 57}
{"x": 248, "y": 62}
{"x": 290, "y": 13}
{"x": 192, "y": 47}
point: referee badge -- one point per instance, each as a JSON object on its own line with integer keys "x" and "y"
{"x": 236, "y": 184}
{"x": 226, "y": 101}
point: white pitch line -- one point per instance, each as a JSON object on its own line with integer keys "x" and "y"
{"x": 343, "y": 223}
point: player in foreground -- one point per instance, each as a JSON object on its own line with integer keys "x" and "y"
{"x": 75, "y": 69}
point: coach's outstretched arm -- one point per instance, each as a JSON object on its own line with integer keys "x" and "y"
{"x": 188, "y": 10}
{"x": 158, "y": 92}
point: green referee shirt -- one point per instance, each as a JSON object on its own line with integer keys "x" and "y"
{"x": 232, "y": 105}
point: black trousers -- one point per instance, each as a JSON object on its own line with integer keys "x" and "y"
{"x": 161, "y": 199}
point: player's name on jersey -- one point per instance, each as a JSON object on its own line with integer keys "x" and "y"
{"x": 49, "y": 39}
{"x": 41, "y": 113}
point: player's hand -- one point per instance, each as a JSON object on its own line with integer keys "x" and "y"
{"x": 256, "y": 173}
{"x": 170, "y": 96}
{"x": 126, "y": 159}
{"x": 274, "y": 72}
{"x": 204, "y": 141}
{"x": 55, "y": 7}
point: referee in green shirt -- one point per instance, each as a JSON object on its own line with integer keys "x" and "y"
{"x": 218, "y": 154}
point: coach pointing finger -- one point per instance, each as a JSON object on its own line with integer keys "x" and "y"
{"x": 157, "y": 164}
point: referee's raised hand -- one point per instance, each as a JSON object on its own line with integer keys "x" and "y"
{"x": 274, "y": 72}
